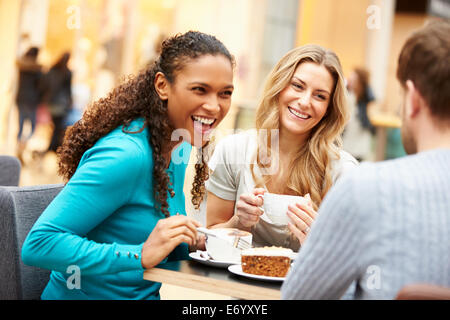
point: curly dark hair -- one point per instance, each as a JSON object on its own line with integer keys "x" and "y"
{"x": 135, "y": 98}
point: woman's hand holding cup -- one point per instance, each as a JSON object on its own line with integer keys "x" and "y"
{"x": 302, "y": 216}
{"x": 248, "y": 208}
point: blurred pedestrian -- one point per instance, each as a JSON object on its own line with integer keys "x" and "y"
{"x": 29, "y": 95}
{"x": 358, "y": 83}
{"x": 59, "y": 98}
{"x": 359, "y": 131}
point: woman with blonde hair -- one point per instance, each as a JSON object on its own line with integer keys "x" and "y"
{"x": 296, "y": 149}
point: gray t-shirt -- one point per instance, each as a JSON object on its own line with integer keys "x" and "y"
{"x": 232, "y": 177}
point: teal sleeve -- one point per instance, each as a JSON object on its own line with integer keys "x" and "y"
{"x": 102, "y": 183}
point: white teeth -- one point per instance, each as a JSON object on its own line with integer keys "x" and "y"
{"x": 203, "y": 120}
{"x": 300, "y": 115}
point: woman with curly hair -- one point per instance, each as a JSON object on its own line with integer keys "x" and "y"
{"x": 122, "y": 210}
{"x": 303, "y": 111}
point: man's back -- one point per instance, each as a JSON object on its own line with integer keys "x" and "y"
{"x": 393, "y": 219}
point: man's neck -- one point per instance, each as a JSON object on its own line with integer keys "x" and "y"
{"x": 433, "y": 137}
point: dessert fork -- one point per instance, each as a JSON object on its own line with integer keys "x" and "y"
{"x": 241, "y": 243}
{"x": 206, "y": 231}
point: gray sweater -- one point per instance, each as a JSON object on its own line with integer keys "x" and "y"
{"x": 382, "y": 226}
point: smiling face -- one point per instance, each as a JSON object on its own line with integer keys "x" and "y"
{"x": 304, "y": 101}
{"x": 199, "y": 97}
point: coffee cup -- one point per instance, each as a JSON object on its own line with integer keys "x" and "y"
{"x": 275, "y": 206}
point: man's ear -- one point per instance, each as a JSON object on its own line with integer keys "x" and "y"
{"x": 162, "y": 86}
{"x": 414, "y": 103}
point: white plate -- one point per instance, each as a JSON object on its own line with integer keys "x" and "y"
{"x": 197, "y": 256}
{"x": 237, "y": 269}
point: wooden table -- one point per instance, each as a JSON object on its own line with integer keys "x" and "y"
{"x": 191, "y": 274}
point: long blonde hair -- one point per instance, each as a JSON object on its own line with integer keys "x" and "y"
{"x": 310, "y": 171}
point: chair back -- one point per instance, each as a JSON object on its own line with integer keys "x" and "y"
{"x": 419, "y": 291}
{"x": 9, "y": 171}
{"x": 20, "y": 207}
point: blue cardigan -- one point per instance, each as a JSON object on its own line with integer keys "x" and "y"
{"x": 98, "y": 223}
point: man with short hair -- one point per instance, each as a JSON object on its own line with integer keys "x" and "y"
{"x": 386, "y": 225}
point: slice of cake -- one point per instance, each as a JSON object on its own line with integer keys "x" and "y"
{"x": 266, "y": 261}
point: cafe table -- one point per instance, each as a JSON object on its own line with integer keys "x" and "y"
{"x": 194, "y": 275}
{"x": 383, "y": 122}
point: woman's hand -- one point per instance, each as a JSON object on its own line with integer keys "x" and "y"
{"x": 247, "y": 208}
{"x": 302, "y": 216}
{"x": 166, "y": 236}
{"x": 200, "y": 243}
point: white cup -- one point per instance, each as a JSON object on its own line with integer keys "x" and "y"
{"x": 275, "y": 206}
{"x": 220, "y": 246}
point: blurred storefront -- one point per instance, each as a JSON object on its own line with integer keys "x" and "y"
{"x": 109, "y": 39}
{"x": 9, "y": 33}
{"x": 370, "y": 34}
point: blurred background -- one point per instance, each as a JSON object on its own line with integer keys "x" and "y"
{"x": 109, "y": 39}
{"x": 106, "y": 40}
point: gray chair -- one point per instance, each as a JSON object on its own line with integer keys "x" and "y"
{"x": 423, "y": 291}
{"x": 20, "y": 207}
{"x": 9, "y": 171}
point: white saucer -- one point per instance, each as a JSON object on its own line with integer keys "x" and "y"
{"x": 237, "y": 269}
{"x": 200, "y": 256}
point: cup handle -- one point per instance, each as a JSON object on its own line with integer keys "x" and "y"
{"x": 262, "y": 197}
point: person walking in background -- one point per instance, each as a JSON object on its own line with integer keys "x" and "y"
{"x": 29, "y": 95}
{"x": 59, "y": 98}
{"x": 387, "y": 224}
{"x": 358, "y": 84}
{"x": 359, "y": 131}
